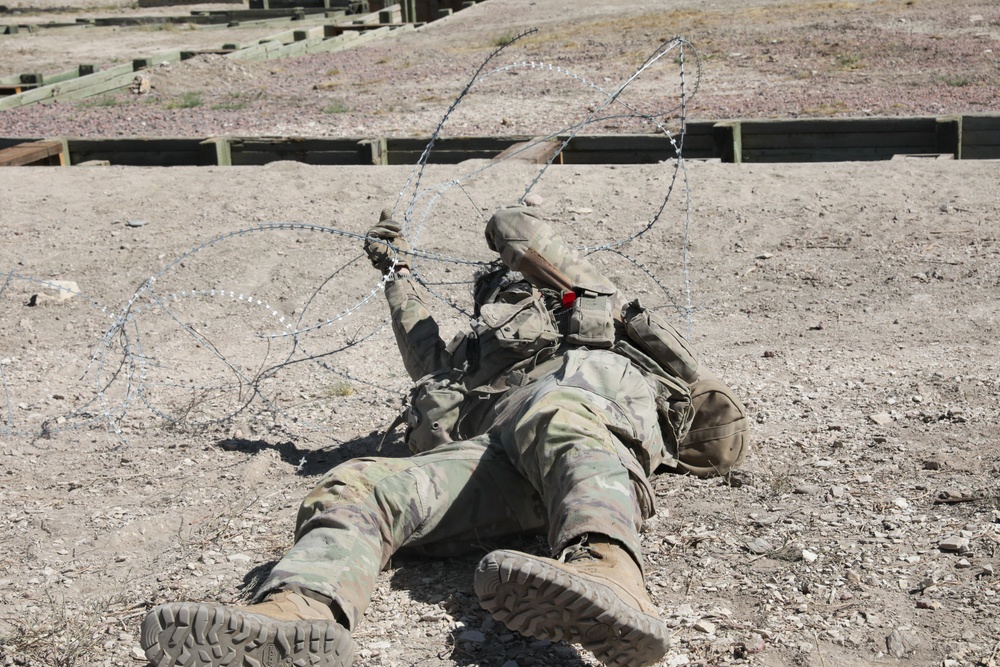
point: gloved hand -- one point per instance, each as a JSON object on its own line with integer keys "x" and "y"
{"x": 385, "y": 244}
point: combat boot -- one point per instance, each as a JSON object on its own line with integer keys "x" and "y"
{"x": 593, "y": 595}
{"x": 285, "y": 629}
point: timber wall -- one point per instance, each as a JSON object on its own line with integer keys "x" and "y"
{"x": 969, "y": 137}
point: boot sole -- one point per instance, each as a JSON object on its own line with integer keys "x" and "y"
{"x": 189, "y": 634}
{"x": 540, "y": 600}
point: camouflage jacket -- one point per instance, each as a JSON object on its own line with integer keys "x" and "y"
{"x": 518, "y": 339}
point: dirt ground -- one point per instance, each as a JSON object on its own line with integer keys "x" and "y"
{"x": 158, "y": 429}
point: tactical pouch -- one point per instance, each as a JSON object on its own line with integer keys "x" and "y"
{"x": 660, "y": 341}
{"x": 590, "y": 321}
{"x": 673, "y": 397}
{"x": 433, "y": 412}
{"x": 506, "y": 334}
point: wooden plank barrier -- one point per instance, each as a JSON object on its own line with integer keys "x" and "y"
{"x": 980, "y": 137}
{"x": 449, "y": 150}
{"x": 138, "y": 152}
{"x": 46, "y": 152}
{"x": 950, "y": 137}
{"x": 331, "y": 152}
{"x": 833, "y": 139}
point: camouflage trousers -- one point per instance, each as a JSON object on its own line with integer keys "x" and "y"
{"x": 569, "y": 454}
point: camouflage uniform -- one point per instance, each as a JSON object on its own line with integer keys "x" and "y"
{"x": 565, "y": 445}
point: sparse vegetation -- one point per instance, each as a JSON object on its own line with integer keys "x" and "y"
{"x": 234, "y": 102}
{"x": 504, "y": 39}
{"x": 954, "y": 80}
{"x": 338, "y": 390}
{"x": 336, "y": 106}
{"x": 101, "y": 101}
{"x": 57, "y": 635}
{"x": 850, "y": 61}
{"x": 188, "y": 100}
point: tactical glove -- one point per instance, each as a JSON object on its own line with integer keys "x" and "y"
{"x": 386, "y": 246}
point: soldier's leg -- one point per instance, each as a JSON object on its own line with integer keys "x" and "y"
{"x": 568, "y": 438}
{"x": 448, "y": 499}
{"x": 348, "y": 527}
{"x": 584, "y": 439}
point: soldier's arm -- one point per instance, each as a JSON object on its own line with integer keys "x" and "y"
{"x": 529, "y": 245}
{"x": 417, "y": 335}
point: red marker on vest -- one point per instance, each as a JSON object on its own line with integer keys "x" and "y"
{"x": 568, "y": 299}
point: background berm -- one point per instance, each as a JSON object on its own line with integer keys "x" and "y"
{"x": 853, "y": 305}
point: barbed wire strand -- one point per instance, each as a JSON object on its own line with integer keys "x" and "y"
{"x": 134, "y": 364}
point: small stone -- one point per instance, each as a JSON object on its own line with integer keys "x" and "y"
{"x": 809, "y": 556}
{"x": 963, "y": 564}
{"x": 238, "y": 558}
{"x": 807, "y": 489}
{"x": 136, "y": 223}
{"x": 954, "y": 543}
{"x": 759, "y": 546}
{"x": 705, "y": 626}
{"x": 932, "y": 464}
{"x": 55, "y": 291}
{"x": 765, "y": 255}
{"x": 928, "y": 604}
{"x": 901, "y": 503}
{"x": 837, "y": 491}
{"x": 895, "y": 645}
{"x": 534, "y": 200}
{"x": 881, "y": 419}
{"x": 755, "y": 644}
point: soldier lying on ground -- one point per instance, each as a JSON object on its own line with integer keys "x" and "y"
{"x": 548, "y": 416}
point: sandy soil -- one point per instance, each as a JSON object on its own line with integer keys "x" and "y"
{"x": 158, "y": 430}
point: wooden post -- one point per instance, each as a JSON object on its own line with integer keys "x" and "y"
{"x": 373, "y": 151}
{"x": 948, "y": 132}
{"x": 728, "y": 137}
{"x": 223, "y": 151}
{"x": 409, "y": 10}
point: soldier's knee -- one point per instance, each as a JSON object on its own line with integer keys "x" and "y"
{"x": 354, "y": 481}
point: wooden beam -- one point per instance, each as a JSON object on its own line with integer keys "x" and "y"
{"x": 728, "y": 137}
{"x": 34, "y": 153}
{"x": 535, "y": 151}
{"x": 948, "y": 131}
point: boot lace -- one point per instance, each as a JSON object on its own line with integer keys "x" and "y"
{"x": 578, "y": 551}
